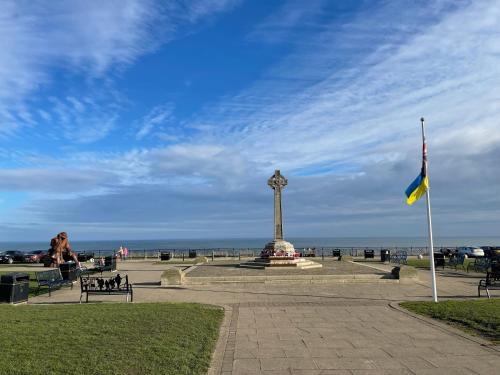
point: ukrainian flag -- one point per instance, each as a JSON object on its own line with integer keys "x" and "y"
{"x": 420, "y": 185}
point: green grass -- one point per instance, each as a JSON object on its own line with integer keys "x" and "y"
{"x": 105, "y": 339}
{"x": 425, "y": 263}
{"x": 480, "y": 317}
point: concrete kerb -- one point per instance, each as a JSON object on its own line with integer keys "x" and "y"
{"x": 289, "y": 279}
{"x": 220, "y": 346}
{"x": 446, "y": 328}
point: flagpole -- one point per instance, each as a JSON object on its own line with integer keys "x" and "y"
{"x": 429, "y": 222}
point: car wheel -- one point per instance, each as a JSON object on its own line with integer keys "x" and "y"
{"x": 10, "y": 261}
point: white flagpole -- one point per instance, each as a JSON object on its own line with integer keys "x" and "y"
{"x": 429, "y": 222}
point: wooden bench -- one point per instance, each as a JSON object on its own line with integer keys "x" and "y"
{"x": 492, "y": 281}
{"x": 105, "y": 286}
{"x": 51, "y": 278}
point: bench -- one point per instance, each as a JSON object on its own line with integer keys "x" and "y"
{"x": 400, "y": 257}
{"x": 480, "y": 264}
{"x": 52, "y": 279}
{"x": 492, "y": 281}
{"x": 458, "y": 261}
{"x": 105, "y": 286}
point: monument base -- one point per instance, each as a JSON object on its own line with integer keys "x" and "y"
{"x": 280, "y": 253}
{"x": 280, "y": 248}
{"x": 282, "y": 262}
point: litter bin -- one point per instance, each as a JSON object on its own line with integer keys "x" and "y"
{"x": 165, "y": 256}
{"x": 68, "y": 271}
{"x": 110, "y": 261}
{"x": 385, "y": 255}
{"x": 192, "y": 253}
{"x": 439, "y": 260}
{"x": 84, "y": 257}
{"x": 14, "y": 287}
{"x": 369, "y": 254}
{"x": 47, "y": 261}
{"x": 336, "y": 253}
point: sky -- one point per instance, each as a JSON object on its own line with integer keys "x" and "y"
{"x": 139, "y": 119}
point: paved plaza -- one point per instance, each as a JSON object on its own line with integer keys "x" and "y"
{"x": 334, "y": 327}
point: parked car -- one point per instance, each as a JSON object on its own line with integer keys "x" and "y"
{"x": 35, "y": 256}
{"x": 11, "y": 256}
{"x": 470, "y": 251}
{"x": 491, "y": 251}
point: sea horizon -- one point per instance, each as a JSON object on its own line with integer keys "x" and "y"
{"x": 256, "y": 243}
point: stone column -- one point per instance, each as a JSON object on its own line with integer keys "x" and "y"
{"x": 277, "y": 182}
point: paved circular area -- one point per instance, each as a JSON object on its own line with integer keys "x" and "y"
{"x": 330, "y": 267}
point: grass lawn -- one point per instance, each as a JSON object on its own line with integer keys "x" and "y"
{"x": 425, "y": 263}
{"x": 101, "y": 339}
{"x": 480, "y": 317}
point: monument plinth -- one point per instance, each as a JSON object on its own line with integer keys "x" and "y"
{"x": 279, "y": 253}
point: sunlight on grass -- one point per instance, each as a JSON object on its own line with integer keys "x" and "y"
{"x": 481, "y": 317}
{"x": 154, "y": 338}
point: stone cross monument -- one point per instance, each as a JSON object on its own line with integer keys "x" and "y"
{"x": 279, "y": 253}
{"x": 278, "y": 247}
{"x": 277, "y": 182}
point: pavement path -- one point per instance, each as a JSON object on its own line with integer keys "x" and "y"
{"x": 331, "y": 328}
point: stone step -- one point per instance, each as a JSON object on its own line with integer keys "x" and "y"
{"x": 252, "y": 265}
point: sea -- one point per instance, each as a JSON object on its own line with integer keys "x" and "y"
{"x": 257, "y": 243}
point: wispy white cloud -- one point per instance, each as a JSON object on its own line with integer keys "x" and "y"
{"x": 282, "y": 25}
{"x": 155, "y": 121}
{"x": 91, "y": 39}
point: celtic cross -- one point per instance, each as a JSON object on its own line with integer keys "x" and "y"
{"x": 277, "y": 182}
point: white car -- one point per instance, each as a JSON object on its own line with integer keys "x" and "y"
{"x": 470, "y": 251}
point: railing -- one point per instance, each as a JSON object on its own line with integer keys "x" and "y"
{"x": 324, "y": 252}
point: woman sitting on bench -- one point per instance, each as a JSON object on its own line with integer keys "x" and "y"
{"x": 60, "y": 250}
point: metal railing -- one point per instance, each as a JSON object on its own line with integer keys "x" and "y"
{"x": 324, "y": 252}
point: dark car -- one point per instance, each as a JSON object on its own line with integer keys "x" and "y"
{"x": 11, "y": 256}
{"x": 35, "y": 256}
{"x": 491, "y": 251}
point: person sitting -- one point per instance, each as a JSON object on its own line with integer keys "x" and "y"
{"x": 60, "y": 250}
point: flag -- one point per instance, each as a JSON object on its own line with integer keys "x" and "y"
{"x": 420, "y": 185}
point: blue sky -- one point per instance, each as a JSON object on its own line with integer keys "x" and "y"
{"x": 147, "y": 120}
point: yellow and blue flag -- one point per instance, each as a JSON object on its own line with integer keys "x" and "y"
{"x": 420, "y": 185}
